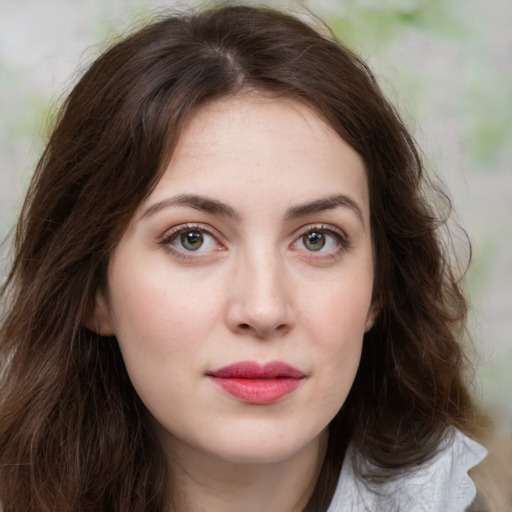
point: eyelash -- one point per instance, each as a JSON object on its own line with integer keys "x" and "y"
{"x": 342, "y": 241}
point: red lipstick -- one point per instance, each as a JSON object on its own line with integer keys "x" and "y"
{"x": 253, "y": 383}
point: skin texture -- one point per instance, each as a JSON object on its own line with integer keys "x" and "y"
{"x": 255, "y": 290}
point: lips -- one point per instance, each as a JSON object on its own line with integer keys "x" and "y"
{"x": 253, "y": 383}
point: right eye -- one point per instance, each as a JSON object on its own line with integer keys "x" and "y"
{"x": 190, "y": 240}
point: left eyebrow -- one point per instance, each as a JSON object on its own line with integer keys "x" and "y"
{"x": 323, "y": 204}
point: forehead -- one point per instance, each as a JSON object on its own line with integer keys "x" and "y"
{"x": 252, "y": 120}
{"x": 249, "y": 147}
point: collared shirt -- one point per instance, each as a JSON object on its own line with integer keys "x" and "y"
{"x": 440, "y": 485}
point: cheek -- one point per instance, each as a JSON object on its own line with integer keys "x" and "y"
{"x": 158, "y": 309}
{"x": 339, "y": 309}
{"x": 337, "y": 320}
{"x": 159, "y": 335}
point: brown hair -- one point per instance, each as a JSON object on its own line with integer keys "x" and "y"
{"x": 73, "y": 433}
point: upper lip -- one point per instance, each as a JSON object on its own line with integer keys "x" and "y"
{"x": 254, "y": 370}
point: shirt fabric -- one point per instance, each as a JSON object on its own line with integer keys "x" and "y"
{"x": 440, "y": 485}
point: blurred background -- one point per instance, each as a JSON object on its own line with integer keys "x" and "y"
{"x": 446, "y": 65}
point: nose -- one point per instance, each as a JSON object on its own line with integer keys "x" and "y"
{"x": 259, "y": 299}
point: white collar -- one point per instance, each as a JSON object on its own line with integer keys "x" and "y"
{"x": 442, "y": 484}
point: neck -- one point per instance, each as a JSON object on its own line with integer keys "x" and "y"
{"x": 207, "y": 484}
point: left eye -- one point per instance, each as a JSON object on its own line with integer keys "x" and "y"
{"x": 318, "y": 240}
{"x": 193, "y": 240}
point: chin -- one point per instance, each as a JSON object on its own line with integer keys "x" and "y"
{"x": 256, "y": 456}
{"x": 263, "y": 447}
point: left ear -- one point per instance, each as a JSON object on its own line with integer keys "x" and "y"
{"x": 99, "y": 319}
{"x": 372, "y": 315}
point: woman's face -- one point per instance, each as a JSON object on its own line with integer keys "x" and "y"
{"x": 241, "y": 290}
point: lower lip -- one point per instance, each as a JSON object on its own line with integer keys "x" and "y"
{"x": 258, "y": 391}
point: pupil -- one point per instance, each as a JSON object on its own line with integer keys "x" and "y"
{"x": 314, "y": 241}
{"x": 192, "y": 240}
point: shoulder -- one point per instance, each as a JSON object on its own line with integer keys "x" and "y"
{"x": 439, "y": 485}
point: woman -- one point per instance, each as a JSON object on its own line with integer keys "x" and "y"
{"x": 229, "y": 291}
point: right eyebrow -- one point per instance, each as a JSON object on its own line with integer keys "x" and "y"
{"x": 197, "y": 202}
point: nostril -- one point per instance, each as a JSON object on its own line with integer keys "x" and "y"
{"x": 262, "y": 331}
